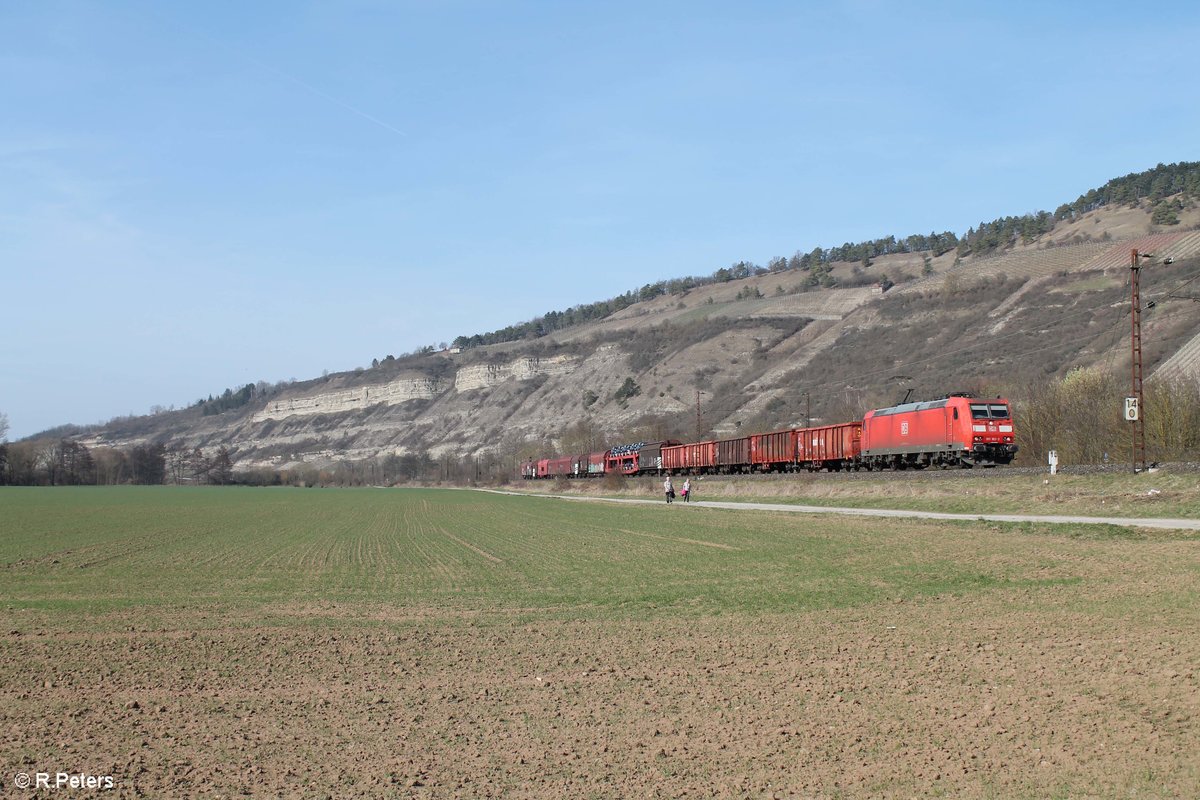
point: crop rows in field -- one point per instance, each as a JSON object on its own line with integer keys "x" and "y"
{"x": 271, "y": 549}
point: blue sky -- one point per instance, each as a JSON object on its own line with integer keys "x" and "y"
{"x": 195, "y": 196}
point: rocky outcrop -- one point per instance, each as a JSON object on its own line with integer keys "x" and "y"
{"x": 483, "y": 376}
{"x": 393, "y": 393}
{"x": 402, "y": 390}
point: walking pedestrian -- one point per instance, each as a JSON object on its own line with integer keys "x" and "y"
{"x": 687, "y": 490}
{"x": 668, "y": 489}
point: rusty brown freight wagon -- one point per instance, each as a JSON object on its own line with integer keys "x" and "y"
{"x": 733, "y": 455}
{"x": 830, "y": 447}
{"x": 694, "y": 458}
{"x": 773, "y": 451}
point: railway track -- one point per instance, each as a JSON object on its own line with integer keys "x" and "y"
{"x": 956, "y": 474}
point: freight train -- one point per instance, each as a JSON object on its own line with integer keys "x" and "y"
{"x": 960, "y": 430}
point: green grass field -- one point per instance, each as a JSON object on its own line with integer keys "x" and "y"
{"x": 151, "y": 548}
{"x": 262, "y": 550}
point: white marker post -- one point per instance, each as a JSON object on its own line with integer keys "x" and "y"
{"x": 1053, "y": 462}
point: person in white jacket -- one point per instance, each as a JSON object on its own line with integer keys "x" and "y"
{"x": 668, "y": 489}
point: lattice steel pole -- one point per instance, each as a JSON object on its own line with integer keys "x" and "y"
{"x": 1139, "y": 425}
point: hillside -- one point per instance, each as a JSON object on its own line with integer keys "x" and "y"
{"x": 757, "y": 353}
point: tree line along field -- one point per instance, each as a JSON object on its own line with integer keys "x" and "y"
{"x": 445, "y": 643}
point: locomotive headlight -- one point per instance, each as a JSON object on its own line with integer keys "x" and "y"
{"x": 1008, "y": 438}
{"x": 979, "y": 438}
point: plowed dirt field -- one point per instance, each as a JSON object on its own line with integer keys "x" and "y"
{"x": 446, "y": 644}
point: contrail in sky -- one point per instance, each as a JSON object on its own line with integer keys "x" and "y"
{"x": 325, "y": 95}
{"x": 147, "y": 14}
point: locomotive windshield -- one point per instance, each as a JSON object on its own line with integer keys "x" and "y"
{"x": 989, "y": 411}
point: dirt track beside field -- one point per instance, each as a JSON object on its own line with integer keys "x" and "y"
{"x": 788, "y": 508}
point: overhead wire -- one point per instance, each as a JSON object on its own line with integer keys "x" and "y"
{"x": 1172, "y": 293}
{"x": 947, "y": 353}
{"x": 1121, "y": 316}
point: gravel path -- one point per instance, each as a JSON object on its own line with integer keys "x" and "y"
{"x": 1132, "y": 522}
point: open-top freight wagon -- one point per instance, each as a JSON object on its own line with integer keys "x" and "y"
{"x": 827, "y": 447}
{"x": 690, "y": 459}
{"x": 831, "y": 447}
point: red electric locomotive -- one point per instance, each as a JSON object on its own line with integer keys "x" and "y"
{"x": 959, "y": 430}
